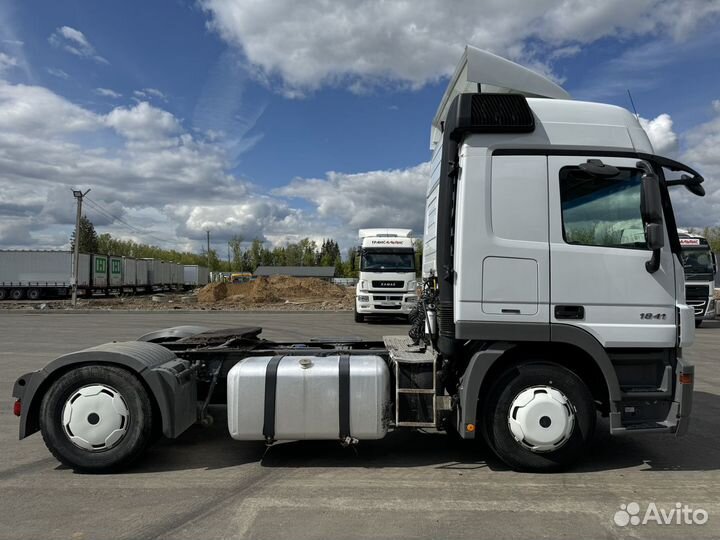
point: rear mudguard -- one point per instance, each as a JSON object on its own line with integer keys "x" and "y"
{"x": 169, "y": 381}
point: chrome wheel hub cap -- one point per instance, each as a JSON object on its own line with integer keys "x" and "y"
{"x": 541, "y": 418}
{"x": 95, "y": 417}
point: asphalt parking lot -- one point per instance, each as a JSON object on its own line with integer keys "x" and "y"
{"x": 409, "y": 485}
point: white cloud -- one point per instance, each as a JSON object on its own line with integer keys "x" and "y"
{"x": 148, "y": 93}
{"x": 310, "y": 44}
{"x": 385, "y": 198}
{"x": 107, "y": 92}
{"x": 143, "y": 122}
{"x": 661, "y": 134}
{"x": 34, "y": 110}
{"x": 74, "y": 41}
{"x": 145, "y": 168}
{"x": 7, "y": 62}
{"x": 716, "y": 105}
{"x": 700, "y": 152}
{"x": 59, "y": 73}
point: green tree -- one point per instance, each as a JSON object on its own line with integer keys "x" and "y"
{"x": 236, "y": 250}
{"x": 88, "y": 237}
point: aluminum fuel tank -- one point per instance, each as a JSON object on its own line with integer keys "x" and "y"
{"x": 309, "y": 402}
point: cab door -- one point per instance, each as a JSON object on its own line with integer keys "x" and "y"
{"x": 599, "y": 281}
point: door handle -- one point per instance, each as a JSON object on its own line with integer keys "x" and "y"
{"x": 570, "y": 312}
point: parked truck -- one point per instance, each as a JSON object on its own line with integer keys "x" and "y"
{"x": 531, "y": 328}
{"x": 700, "y": 268}
{"x": 387, "y": 280}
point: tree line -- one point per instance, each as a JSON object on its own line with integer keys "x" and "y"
{"x": 238, "y": 256}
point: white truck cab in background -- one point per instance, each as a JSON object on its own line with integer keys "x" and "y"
{"x": 700, "y": 270}
{"x": 387, "y": 280}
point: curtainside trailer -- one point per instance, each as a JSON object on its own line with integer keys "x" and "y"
{"x": 40, "y": 274}
{"x": 526, "y": 330}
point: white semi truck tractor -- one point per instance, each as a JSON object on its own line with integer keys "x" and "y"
{"x": 553, "y": 292}
{"x": 700, "y": 271}
{"x": 387, "y": 281}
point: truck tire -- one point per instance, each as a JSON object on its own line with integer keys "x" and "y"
{"x": 96, "y": 419}
{"x": 359, "y": 317}
{"x": 540, "y": 417}
{"x": 3, "y": 294}
{"x": 698, "y": 323}
{"x": 17, "y": 294}
{"x": 33, "y": 294}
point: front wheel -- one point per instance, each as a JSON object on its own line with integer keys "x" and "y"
{"x": 540, "y": 417}
{"x": 698, "y": 323}
{"x": 96, "y": 419}
{"x": 359, "y": 317}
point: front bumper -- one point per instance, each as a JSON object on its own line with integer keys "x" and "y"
{"x": 385, "y": 303}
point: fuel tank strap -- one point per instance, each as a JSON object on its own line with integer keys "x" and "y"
{"x": 344, "y": 395}
{"x": 270, "y": 394}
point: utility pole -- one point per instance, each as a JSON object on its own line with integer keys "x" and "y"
{"x": 79, "y": 195}
{"x": 208, "y": 248}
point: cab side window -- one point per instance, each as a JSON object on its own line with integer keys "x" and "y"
{"x": 602, "y": 211}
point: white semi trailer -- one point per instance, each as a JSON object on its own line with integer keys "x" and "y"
{"x": 553, "y": 291}
{"x": 387, "y": 280}
{"x": 700, "y": 270}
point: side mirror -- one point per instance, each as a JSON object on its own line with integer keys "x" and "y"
{"x": 650, "y": 201}
{"x": 655, "y": 236}
{"x": 652, "y": 215}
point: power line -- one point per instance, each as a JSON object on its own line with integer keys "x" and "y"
{"x": 109, "y": 214}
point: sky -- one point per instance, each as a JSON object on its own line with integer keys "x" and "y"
{"x": 280, "y": 120}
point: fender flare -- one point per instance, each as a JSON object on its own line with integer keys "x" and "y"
{"x": 141, "y": 358}
{"x": 481, "y": 362}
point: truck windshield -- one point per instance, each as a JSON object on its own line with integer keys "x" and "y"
{"x": 697, "y": 261}
{"x": 387, "y": 261}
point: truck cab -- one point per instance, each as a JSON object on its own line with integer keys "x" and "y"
{"x": 387, "y": 279}
{"x": 700, "y": 267}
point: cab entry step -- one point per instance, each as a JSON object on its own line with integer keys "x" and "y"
{"x": 415, "y": 391}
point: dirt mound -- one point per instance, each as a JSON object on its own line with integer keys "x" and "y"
{"x": 212, "y": 292}
{"x": 277, "y": 289}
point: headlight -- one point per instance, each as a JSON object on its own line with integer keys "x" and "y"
{"x": 412, "y": 285}
{"x": 363, "y": 298}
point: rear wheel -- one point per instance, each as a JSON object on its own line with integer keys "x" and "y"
{"x": 539, "y": 417}
{"x": 96, "y": 419}
{"x": 3, "y": 294}
{"x": 33, "y": 294}
{"x": 17, "y": 294}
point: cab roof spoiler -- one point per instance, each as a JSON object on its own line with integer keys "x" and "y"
{"x": 482, "y": 71}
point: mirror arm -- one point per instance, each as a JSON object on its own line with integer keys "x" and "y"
{"x": 653, "y": 265}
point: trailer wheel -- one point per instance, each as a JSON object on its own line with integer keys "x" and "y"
{"x": 539, "y": 417}
{"x": 3, "y": 294}
{"x": 33, "y": 294}
{"x": 17, "y": 294}
{"x": 96, "y": 419}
